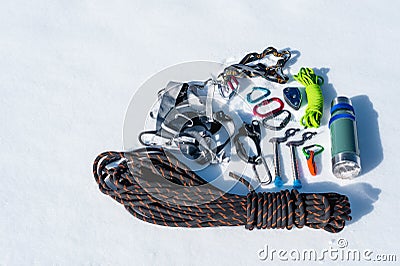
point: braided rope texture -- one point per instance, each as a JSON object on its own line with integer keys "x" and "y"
{"x": 314, "y": 110}
{"x": 159, "y": 189}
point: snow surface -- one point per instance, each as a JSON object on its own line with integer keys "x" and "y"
{"x": 69, "y": 68}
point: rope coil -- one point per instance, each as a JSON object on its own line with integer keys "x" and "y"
{"x": 284, "y": 209}
{"x": 312, "y": 82}
{"x": 159, "y": 189}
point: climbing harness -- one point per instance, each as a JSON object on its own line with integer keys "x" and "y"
{"x": 265, "y": 103}
{"x": 292, "y": 97}
{"x": 295, "y": 168}
{"x": 180, "y": 124}
{"x": 276, "y": 141}
{"x": 266, "y": 92}
{"x": 252, "y": 131}
{"x": 266, "y": 121}
{"x": 310, "y": 152}
{"x": 312, "y": 82}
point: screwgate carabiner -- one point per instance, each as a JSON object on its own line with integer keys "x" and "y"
{"x": 265, "y": 103}
{"x": 266, "y": 91}
{"x": 310, "y": 153}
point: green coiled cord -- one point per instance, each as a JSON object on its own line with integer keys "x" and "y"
{"x": 312, "y": 82}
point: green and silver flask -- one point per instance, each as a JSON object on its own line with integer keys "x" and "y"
{"x": 345, "y": 151}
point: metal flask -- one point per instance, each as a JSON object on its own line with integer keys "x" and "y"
{"x": 346, "y": 161}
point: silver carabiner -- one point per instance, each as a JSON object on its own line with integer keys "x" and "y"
{"x": 261, "y": 160}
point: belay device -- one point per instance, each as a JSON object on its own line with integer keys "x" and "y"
{"x": 156, "y": 187}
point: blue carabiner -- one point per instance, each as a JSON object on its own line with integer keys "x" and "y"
{"x": 265, "y": 95}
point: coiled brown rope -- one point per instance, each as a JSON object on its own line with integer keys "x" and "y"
{"x": 159, "y": 189}
{"x": 285, "y": 209}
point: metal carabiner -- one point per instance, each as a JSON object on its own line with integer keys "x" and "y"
{"x": 308, "y": 149}
{"x": 229, "y": 89}
{"x": 261, "y": 160}
{"x": 234, "y": 86}
{"x": 310, "y": 154}
{"x": 253, "y": 131}
{"x": 266, "y": 91}
{"x": 268, "y": 102}
{"x": 148, "y": 132}
{"x": 283, "y": 123}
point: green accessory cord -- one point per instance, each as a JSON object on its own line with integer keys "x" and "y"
{"x": 312, "y": 82}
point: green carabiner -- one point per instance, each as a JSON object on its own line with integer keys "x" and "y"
{"x": 306, "y": 150}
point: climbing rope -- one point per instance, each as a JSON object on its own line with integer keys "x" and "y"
{"x": 312, "y": 82}
{"x": 159, "y": 189}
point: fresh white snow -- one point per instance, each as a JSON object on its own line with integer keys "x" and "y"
{"x": 68, "y": 70}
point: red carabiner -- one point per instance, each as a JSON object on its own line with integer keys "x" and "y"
{"x": 267, "y": 102}
{"x": 233, "y": 83}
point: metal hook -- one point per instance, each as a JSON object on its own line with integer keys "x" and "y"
{"x": 185, "y": 117}
{"x": 268, "y": 102}
{"x": 288, "y": 133}
{"x": 306, "y": 136}
{"x": 143, "y": 133}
